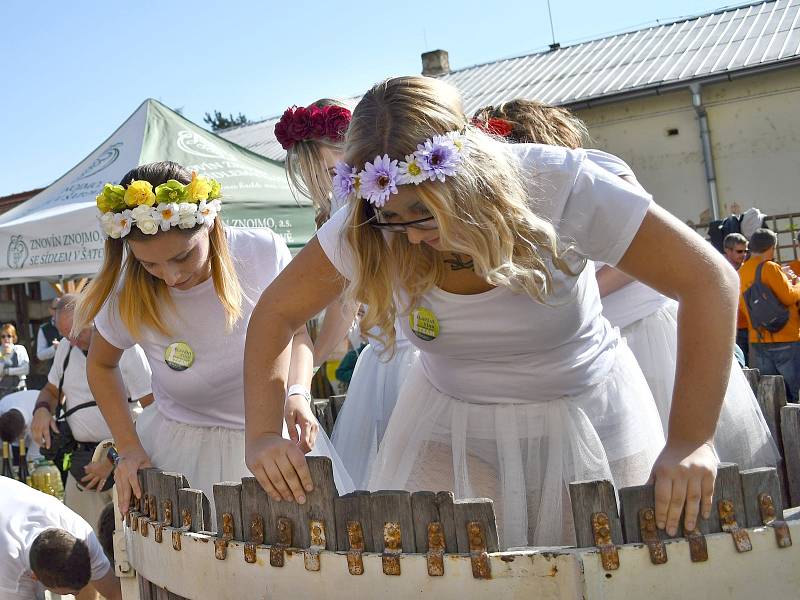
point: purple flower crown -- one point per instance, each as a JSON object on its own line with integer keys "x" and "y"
{"x": 436, "y": 158}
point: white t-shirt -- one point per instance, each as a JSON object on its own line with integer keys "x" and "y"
{"x": 500, "y": 346}
{"x": 24, "y": 514}
{"x": 635, "y": 300}
{"x": 88, "y": 424}
{"x": 210, "y": 393}
{"x": 23, "y": 401}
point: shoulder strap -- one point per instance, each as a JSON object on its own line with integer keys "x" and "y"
{"x": 60, "y": 405}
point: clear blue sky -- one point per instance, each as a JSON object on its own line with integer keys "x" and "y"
{"x": 71, "y": 72}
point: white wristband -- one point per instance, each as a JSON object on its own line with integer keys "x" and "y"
{"x": 299, "y": 390}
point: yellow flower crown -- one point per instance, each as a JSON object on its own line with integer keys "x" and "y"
{"x": 168, "y": 205}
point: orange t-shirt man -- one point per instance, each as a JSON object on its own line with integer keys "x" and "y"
{"x": 787, "y": 291}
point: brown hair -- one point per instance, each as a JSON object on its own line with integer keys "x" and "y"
{"x": 10, "y": 329}
{"x": 60, "y": 560}
{"x": 537, "y": 123}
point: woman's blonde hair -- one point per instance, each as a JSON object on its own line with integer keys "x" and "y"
{"x": 482, "y": 211}
{"x": 536, "y": 123}
{"x": 11, "y": 330}
{"x": 306, "y": 172}
{"x": 143, "y": 298}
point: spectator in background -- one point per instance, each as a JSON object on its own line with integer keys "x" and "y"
{"x": 16, "y": 414}
{"x": 735, "y": 247}
{"x": 14, "y": 361}
{"x": 773, "y": 353}
{"x": 794, "y": 265}
{"x": 344, "y": 372}
{"x": 48, "y": 337}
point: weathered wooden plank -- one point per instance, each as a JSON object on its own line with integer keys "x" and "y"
{"x": 752, "y": 376}
{"x": 152, "y": 479}
{"x": 146, "y": 591}
{"x": 321, "y": 407}
{"x": 424, "y": 511}
{"x": 589, "y": 497}
{"x": 319, "y": 503}
{"x": 480, "y": 510}
{"x": 168, "y": 486}
{"x": 632, "y": 500}
{"x": 228, "y": 501}
{"x": 392, "y": 506}
{"x": 350, "y": 508}
{"x": 772, "y": 398}
{"x": 444, "y": 504}
{"x": 174, "y": 596}
{"x": 759, "y": 481}
{"x": 161, "y": 593}
{"x": 728, "y": 486}
{"x": 195, "y": 505}
{"x": 337, "y": 403}
{"x": 790, "y": 424}
{"x": 255, "y": 504}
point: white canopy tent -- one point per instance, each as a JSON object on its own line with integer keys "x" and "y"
{"x": 56, "y": 233}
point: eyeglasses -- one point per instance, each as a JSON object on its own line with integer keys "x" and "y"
{"x": 6, "y": 337}
{"x": 425, "y": 224}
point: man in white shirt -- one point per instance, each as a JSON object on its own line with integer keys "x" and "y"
{"x": 43, "y": 544}
{"x": 16, "y": 413}
{"x": 48, "y": 337}
{"x": 86, "y": 423}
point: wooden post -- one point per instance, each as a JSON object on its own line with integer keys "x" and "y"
{"x": 728, "y": 486}
{"x": 255, "y": 505}
{"x": 589, "y": 497}
{"x": 392, "y": 506}
{"x": 763, "y": 480}
{"x": 228, "y": 501}
{"x": 337, "y": 403}
{"x": 790, "y": 424}
{"x": 752, "y": 376}
{"x": 424, "y": 512}
{"x": 319, "y": 505}
{"x": 354, "y": 508}
{"x": 195, "y": 507}
{"x": 632, "y": 500}
{"x": 321, "y": 407}
{"x": 772, "y": 398}
{"x": 168, "y": 486}
{"x": 475, "y": 510}
{"x": 444, "y": 503}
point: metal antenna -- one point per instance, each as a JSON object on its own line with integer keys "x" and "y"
{"x": 555, "y": 45}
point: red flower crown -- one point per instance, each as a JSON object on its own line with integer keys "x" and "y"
{"x": 299, "y": 124}
{"x": 494, "y": 126}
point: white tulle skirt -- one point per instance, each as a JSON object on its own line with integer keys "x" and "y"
{"x": 522, "y": 455}
{"x": 742, "y": 435}
{"x": 208, "y": 455}
{"x": 371, "y": 398}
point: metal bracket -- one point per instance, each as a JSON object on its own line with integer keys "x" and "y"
{"x": 186, "y": 519}
{"x": 601, "y": 528}
{"x": 317, "y": 545}
{"x": 727, "y": 519}
{"x": 167, "y": 506}
{"x": 152, "y": 508}
{"x": 158, "y": 532}
{"x": 220, "y": 548}
{"x": 284, "y": 541}
{"x": 256, "y": 538}
{"x": 176, "y": 539}
{"x": 436, "y": 548}
{"x": 143, "y": 521}
{"x": 478, "y": 556}
{"x": 649, "y": 533}
{"x": 132, "y": 520}
{"x": 698, "y": 549}
{"x": 393, "y": 548}
{"x": 221, "y": 544}
{"x": 355, "y": 535}
{"x": 769, "y": 518}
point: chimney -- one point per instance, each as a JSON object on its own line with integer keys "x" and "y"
{"x": 435, "y": 62}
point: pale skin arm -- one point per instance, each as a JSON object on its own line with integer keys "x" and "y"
{"x": 610, "y": 280}
{"x": 297, "y": 412}
{"x": 43, "y": 421}
{"x": 307, "y": 285}
{"x": 105, "y": 381}
{"x": 698, "y": 277}
{"x": 339, "y": 318}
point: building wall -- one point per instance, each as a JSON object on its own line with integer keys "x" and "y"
{"x": 755, "y": 132}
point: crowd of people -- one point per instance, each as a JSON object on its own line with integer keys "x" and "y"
{"x": 519, "y": 330}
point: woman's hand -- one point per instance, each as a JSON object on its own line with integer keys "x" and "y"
{"x": 279, "y": 466}
{"x": 684, "y": 475}
{"x": 96, "y": 474}
{"x": 126, "y": 475}
{"x": 41, "y": 425}
{"x": 298, "y": 414}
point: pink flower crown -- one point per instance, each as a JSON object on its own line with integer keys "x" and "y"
{"x": 299, "y": 124}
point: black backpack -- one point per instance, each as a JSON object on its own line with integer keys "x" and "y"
{"x": 717, "y": 230}
{"x": 766, "y": 311}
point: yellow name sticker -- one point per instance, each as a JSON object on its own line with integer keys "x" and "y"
{"x": 424, "y": 324}
{"x": 179, "y": 356}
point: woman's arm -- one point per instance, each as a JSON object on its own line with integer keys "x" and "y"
{"x": 302, "y": 290}
{"x": 707, "y": 289}
{"x": 297, "y": 411}
{"x": 23, "y": 362}
{"x": 108, "y": 389}
{"x": 610, "y": 280}
{"x": 338, "y": 319}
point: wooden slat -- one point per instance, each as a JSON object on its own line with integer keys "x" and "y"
{"x": 755, "y": 482}
{"x": 790, "y": 424}
{"x": 321, "y": 407}
{"x": 255, "y": 503}
{"x": 319, "y": 503}
{"x": 424, "y": 511}
{"x": 228, "y": 500}
{"x": 153, "y": 482}
{"x": 337, "y": 403}
{"x": 480, "y": 510}
{"x": 392, "y": 506}
{"x": 589, "y": 497}
{"x": 199, "y": 508}
{"x": 752, "y": 376}
{"x": 444, "y": 503}
{"x": 146, "y": 591}
{"x": 772, "y": 398}
{"x": 632, "y": 500}
{"x": 169, "y": 484}
{"x": 354, "y": 506}
{"x": 728, "y": 486}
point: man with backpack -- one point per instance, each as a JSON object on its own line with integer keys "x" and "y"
{"x": 769, "y": 300}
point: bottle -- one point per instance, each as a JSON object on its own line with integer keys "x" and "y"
{"x": 23, "y": 474}
{"x": 56, "y": 484}
{"x": 6, "y": 470}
